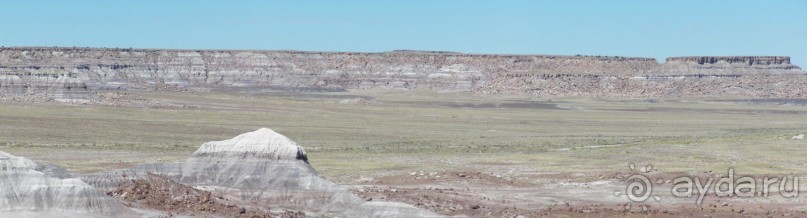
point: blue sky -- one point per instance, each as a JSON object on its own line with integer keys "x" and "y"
{"x": 625, "y": 28}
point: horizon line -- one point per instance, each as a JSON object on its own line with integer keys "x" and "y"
{"x": 392, "y": 51}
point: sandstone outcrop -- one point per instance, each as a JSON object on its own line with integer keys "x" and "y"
{"x": 69, "y": 73}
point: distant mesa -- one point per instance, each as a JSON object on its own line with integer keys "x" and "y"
{"x": 74, "y": 74}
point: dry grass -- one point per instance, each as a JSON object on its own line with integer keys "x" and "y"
{"x": 421, "y": 131}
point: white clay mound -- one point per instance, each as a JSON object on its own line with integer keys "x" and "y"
{"x": 259, "y": 143}
{"x": 266, "y": 167}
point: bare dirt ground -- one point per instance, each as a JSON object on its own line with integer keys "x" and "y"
{"x": 451, "y": 153}
{"x": 477, "y": 194}
{"x": 160, "y": 193}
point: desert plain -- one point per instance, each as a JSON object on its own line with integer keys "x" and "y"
{"x": 453, "y": 153}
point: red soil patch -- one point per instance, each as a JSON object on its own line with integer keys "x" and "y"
{"x": 160, "y": 193}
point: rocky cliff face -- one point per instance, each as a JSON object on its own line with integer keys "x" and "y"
{"x": 69, "y": 73}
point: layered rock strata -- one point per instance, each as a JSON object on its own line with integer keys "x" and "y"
{"x": 67, "y": 73}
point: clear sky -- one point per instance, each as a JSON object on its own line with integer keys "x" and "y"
{"x": 648, "y": 28}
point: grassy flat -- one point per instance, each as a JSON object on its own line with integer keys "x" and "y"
{"x": 419, "y": 130}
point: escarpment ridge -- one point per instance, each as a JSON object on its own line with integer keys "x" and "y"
{"x": 69, "y": 74}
